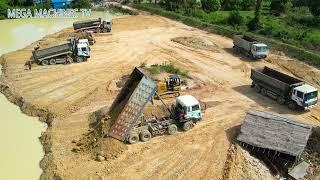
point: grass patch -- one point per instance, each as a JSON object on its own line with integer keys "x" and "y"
{"x": 170, "y": 68}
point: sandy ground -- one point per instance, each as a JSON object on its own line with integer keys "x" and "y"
{"x": 69, "y": 93}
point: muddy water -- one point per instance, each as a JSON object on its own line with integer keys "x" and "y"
{"x": 20, "y": 150}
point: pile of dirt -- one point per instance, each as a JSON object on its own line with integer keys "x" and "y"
{"x": 197, "y": 42}
{"x": 96, "y": 142}
{"x": 241, "y": 165}
{"x": 313, "y": 153}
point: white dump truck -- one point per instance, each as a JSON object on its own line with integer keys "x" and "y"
{"x": 74, "y": 50}
{"x": 95, "y": 25}
{"x": 250, "y": 47}
{"x": 129, "y": 105}
{"x": 284, "y": 88}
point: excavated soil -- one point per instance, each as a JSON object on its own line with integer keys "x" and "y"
{"x": 67, "y": 96}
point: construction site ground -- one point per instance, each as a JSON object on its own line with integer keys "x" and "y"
{"x": 67, "y": 94}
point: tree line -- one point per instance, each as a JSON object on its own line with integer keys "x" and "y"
{"x": 276, "y": 7}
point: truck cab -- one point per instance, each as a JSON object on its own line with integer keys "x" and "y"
{"x": 83, "y": 49}
{"x": 305, "y": 96}
{"x": 259, "y": 50}
{"x": 107, "y": 25}
{"x": 188, "y": 108}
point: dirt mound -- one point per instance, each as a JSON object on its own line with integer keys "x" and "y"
{"x": 96, "y": 141}
{"x": 313, "y": 153}
{"x": 197, "y": 42}
{"x": 244, "y": 166}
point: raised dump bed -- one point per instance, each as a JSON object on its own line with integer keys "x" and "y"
{"x": 129, "y": 104}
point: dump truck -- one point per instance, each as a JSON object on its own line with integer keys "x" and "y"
{"x": 284, "y": 88}
{"x": 95, "y": 25}
{"x": 127, "y": 109}
{"x": 250, "y": 47}
{"x": 74, "y": 50}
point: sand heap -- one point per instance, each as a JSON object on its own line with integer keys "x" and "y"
{"x": 96, "y": 141}
{"x": 197, "y": 42}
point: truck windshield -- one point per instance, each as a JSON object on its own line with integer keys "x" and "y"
{"x": 311, "y": 95}
{"x": 261, "y": 48}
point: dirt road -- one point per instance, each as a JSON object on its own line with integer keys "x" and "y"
{"x": 71, "y": 92}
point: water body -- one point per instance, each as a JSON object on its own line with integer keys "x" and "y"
{"x": 20, "y": 150}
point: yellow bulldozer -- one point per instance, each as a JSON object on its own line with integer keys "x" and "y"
{"x": 170, "y": 87}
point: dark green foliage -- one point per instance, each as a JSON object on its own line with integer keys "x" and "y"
{"x": 255, "y": 23}
{"x": 3, "y": 8}
{"x": 314, "y": 6}
{"x": 46, "y": 4}
{"x": 28, "y": 3}
{"x": 81, "y": 4}
{"x": 237, "y": 4}
{"x": 210, "y": 5}
{"x": 278, "y": 7}
{"x": 235, "y": 19}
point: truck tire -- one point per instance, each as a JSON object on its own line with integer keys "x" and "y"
{"x": 172, "y": 129}
{"x": 79, "y": 59}
{"x": 264, "y": 92}
{"x": 52, "y": 62}
{"x": 281, "y": 100}
{"x": 292, "y": 105}
{"x": 44, "y": 62}
{"x": 145, "y": 136}
{"x": 186, "y": 126}
{"x": 257, "y": 88}
{"x": 133, "y": 138}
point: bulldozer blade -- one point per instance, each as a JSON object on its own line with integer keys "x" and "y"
{"x": 129, "y": 104}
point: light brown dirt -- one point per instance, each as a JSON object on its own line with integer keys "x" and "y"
{"x": 72, "y": 92}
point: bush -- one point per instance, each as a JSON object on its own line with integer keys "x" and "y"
{"x": 235, "y": 18}
{"x": 210, "y": 5}
{"x": 3, "y": 8}
{"x": 278, "y": 7}
{"x": 314, "y": 6}
{"x": 82, "y": 4}
{"x": 238, "y": 4}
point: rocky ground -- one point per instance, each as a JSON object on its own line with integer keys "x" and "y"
{"x": 66, "y": 95}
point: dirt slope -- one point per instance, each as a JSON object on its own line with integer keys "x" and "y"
{"x": 72, "y": 92}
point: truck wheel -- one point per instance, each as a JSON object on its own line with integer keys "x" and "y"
{"x": 186, "y": 126}
{"x": 172, "y": 129}
{"x": 52, "y": 61}
{"x": 133, "y": 138}
{"x": 44, "y": 62}
{"x": 79, "y": 59}
{"x": 281, "y": 100}
{"x": 145, "y": 136}
{"x": 292, "y": 105}
{"x": 257, "y": 88}
{"x": 264, "y": 92}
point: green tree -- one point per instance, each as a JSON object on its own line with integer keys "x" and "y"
{"x": 210, "y": 5}
{"x": 82, "y": 4}
{"x": 235, "y": 18}
{"x": 278, "y": 7}
{"x": 247, "y": 4}
{"x": 255, "y": 23}
{"x": 314, "y": 7}
{"x": 3, "y": 8}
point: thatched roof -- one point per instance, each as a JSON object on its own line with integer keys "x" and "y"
{"x": 274, "y": 132}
